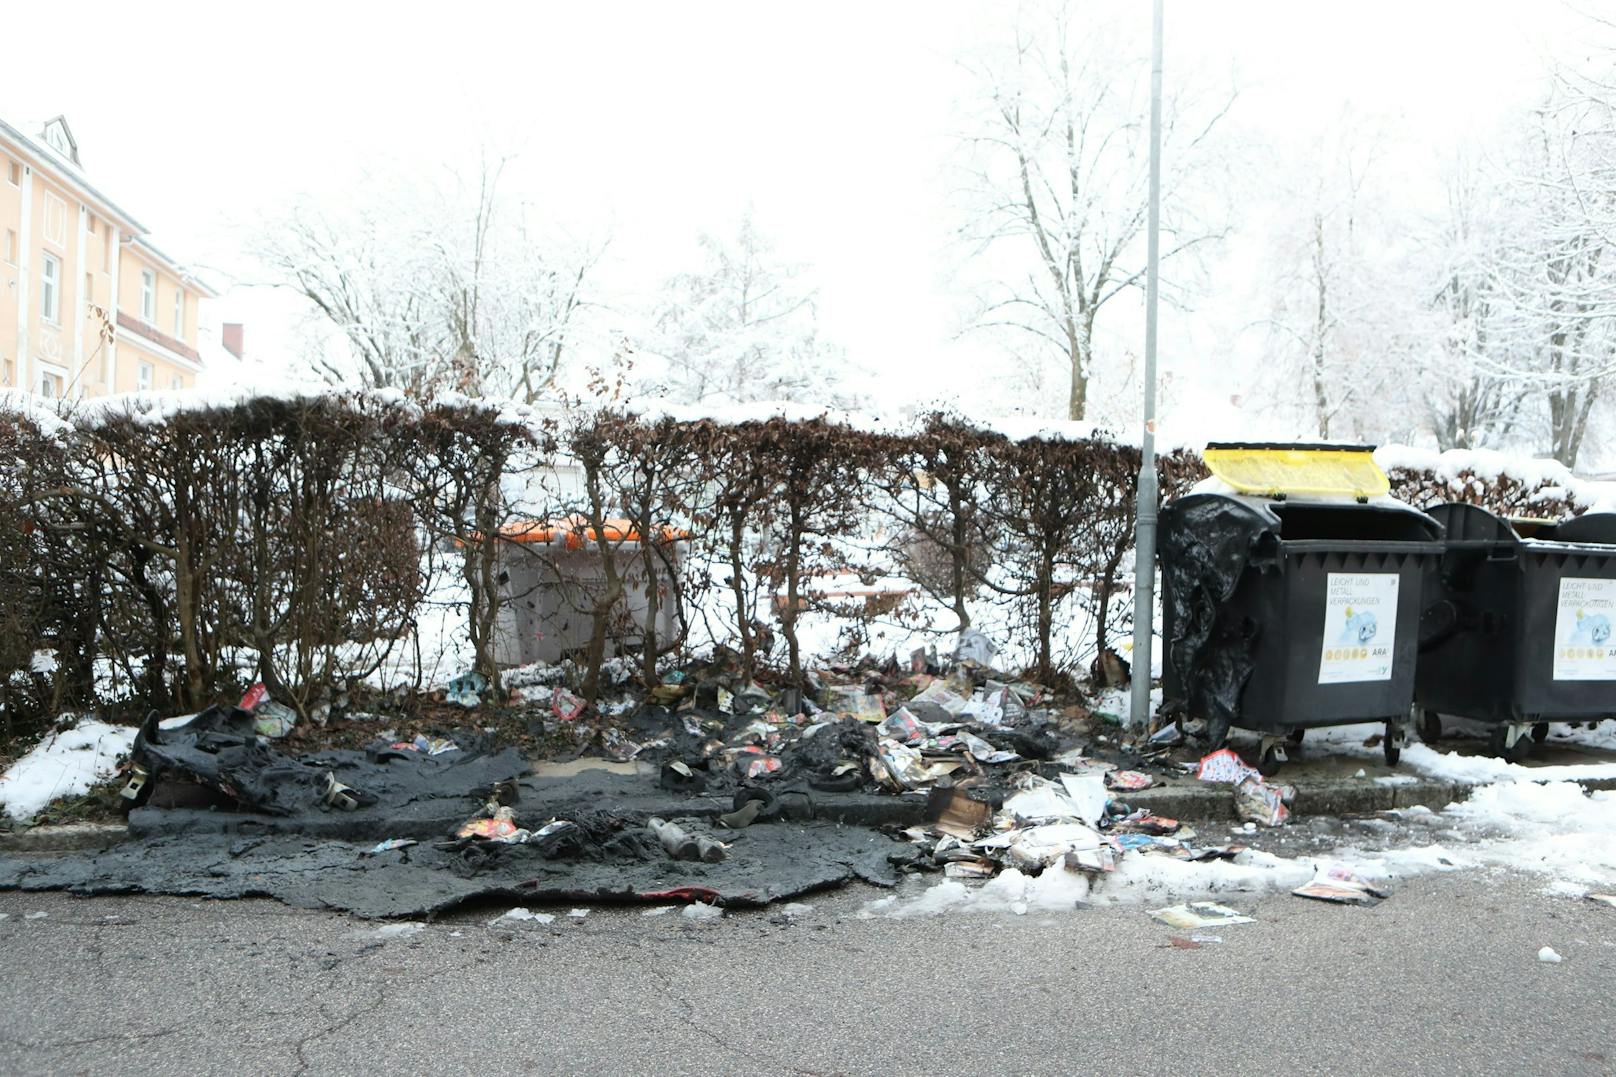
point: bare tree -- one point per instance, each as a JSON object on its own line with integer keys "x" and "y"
{"x": 745, "y": 327}
{"x": 1056, "y": 171}
{"x": 1350, "y": 296}
{"x": 436, "y": 287}
{"x": 1551, "y": 274}
{"x": 1469, "y": 403}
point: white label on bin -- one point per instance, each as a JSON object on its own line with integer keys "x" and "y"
{"x": 1360, "y": 627}
{"x": 1584, "y": 646}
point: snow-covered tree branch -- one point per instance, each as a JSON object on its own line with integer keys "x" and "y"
{"x": 1055, "y": 177}
{"x": 429, "y": 287}
{"x": 744, "y": 327}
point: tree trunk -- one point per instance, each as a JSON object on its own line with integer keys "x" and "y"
{"x": 1046, "y": 615}
{"x": 186, "y": 602}
{"x": 737, "y": 583}
{"x": 1108, "y": 586}
{"x": 960, "y": 553}
{"x": 788, "y": 619}
{"x": 1077, "y": 350}
{"x": 611, "y": 593}
{"x": 1321, "y": 396}
{"x": 648, "y": 645}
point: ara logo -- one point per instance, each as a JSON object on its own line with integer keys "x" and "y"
{"x": 1359, "y": 627}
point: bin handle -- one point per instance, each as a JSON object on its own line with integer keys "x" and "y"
{"x": 1503, "y": 552}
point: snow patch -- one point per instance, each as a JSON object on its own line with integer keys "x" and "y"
{"x": 66, "y": 763}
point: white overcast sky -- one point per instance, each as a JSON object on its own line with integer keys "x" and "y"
{"x": 834, "y": 121}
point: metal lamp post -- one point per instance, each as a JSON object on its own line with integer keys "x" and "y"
{"x": 1144, "y": 588}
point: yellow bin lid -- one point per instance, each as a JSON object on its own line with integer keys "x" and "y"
{"x": 1268, "y": 470}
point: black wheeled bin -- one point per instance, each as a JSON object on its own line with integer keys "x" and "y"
{"x": 1519, "y": 626}
{"x": 1282, "y": 614}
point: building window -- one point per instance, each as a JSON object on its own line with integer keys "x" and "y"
{"x": 50, "y": 384}
{"x": 50, "y": 289}
{"x": 144, "y": 376}
{"x": 179, "y": 314}
{"x": 55, "y": 221}
{"x": 107, "y": 242}
{"x": 14, "y": 173}
{"x": 91, "y": 216}
{"x": 10, "y": 250}
{"x": 176, "y": 382}
{"x": 148, "y": 297}
{"x": 89, "y": 292}
{"x": 8, "y": 369}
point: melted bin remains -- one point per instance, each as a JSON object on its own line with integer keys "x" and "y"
{"x": 1291, "y": 595}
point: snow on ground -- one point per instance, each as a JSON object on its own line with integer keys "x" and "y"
{"x": 1519, "y": 818}
{"x": 1555, "y": 830}
{"x": 1433, "y": 762}
{"x": 66, "y": 763}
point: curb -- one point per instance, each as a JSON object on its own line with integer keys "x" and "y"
{"x": 1345, "y": 796}
{"x": 64, "y": 838}
{"x": 1200, "y": 802}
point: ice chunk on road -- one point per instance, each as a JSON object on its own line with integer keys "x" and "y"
{"x": 701, "y": 912}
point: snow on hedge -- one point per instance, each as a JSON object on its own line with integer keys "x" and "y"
{"x": 1548, "y": 478}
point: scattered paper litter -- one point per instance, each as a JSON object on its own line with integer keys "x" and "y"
{"x": 1041, "y": 802}
{"x": 660, "y": 910}
{"x": 1548, "y": 956}
{"x": 1341, "y": 885}
{"x": 1604, "y": 899}
{"x": 1129, "y": 780}
{"x": 1224, "y": 765}
{"x": 1036, "y": 848}
{"x": 577, "y": 914}
{"x": 1198, "y": 914}
{"x": 1087, "y": 794}
{"x": 520, "y": 913}
{"x": 35, "y": 915}
{"x": 1258, "y": 802}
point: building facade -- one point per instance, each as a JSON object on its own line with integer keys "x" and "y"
{"x": 88, "y": 305}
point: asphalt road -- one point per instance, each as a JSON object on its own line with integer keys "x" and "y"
{"x": 1442, "y": 978}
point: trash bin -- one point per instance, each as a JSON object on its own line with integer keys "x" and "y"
{"x": 1517, "y": 629}
{"x": 1291, "y": 595}
{"x": 553, "y": 574}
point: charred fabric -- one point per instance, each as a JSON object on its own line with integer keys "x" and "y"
{"x": 730, "y": 801}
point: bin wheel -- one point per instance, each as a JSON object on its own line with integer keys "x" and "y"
{"x": 1540, "y": 732}
{"x": 1514, "y": 753}
{"x": 1429, "y": 723}
{"x": 1394, "y": 750}
{"x": 1217, "y": 733}
{"x": 1270, "y": 762}
{"x": 1294, "y": 737}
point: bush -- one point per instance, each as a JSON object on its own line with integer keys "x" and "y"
{"x": 171, "y": 549}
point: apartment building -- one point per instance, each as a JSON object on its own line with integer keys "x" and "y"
{"x": 88, "y": 305}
